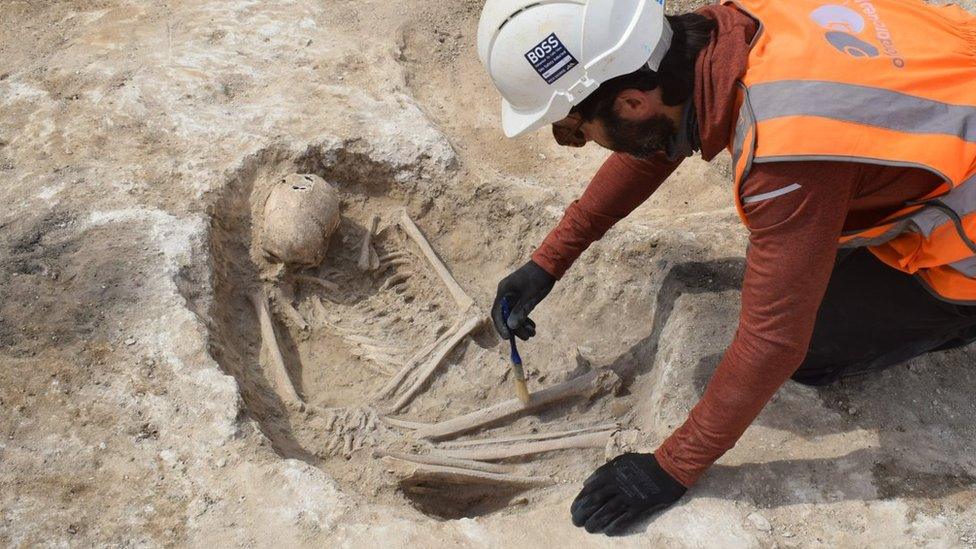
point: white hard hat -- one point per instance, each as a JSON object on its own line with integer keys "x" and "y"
{"x": 546, "y": 56}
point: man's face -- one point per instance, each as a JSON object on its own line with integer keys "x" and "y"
{"x": 637, "y": 124}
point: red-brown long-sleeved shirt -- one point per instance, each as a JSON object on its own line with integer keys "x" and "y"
{"x": 792, "y": 245}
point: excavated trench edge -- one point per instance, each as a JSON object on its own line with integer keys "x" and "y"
{"x": 234, "y": 333}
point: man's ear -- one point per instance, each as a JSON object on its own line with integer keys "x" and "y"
{"x": 634, "y": 104}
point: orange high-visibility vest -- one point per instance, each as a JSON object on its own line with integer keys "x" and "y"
{"x": 889, "y": 82}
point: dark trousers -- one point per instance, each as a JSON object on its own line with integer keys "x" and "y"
{"x": 874, "y": 317}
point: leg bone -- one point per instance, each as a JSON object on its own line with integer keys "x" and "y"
{"x": 457, "y": 475}
{"x": 588, "y": 440}
{"x": 527, "y": 438}
{"x": 445, "y": 461}
{"x": 586, "y": 384}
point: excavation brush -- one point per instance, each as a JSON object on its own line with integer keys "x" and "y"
{"x": 520, "y": 387}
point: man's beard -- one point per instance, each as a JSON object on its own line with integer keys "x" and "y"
{"x": 643, "y": 139}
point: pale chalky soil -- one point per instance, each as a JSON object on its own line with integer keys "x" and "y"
{"x": 137, "y": 143}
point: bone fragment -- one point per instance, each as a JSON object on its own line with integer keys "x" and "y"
{"x": 377, "y": 363}
{"x": 280, "y": 371}
{"x": 363, "y": 339}
{"x": 391, "y": 386}
{"x": 586, "y": 384}
{"x": 347, "y": 444}
{"x": 445, "y": 461}
{"x": 333, "y": 446}
{"x": 365, "y": 307}
{"x": 463, "y": 300}
{"x": 382, "y": 366}
{"x": 587, "y": 440}
{"x": 368, "y": 259}
{"x": 292, "y": 314}
{"x": 371, "y": 344}
{"x": 390, "y": 362}
{"x": 328, "y": 285}
{"x": 526, "y": 438}
{"x": 458, "y": 475}
{"x": 320, "y": 310}
{"x": 428, "y": 369}
{"x": 383, "y": 353}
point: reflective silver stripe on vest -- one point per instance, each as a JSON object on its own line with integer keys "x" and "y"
{"x": 771, "y": 194}
{"x": 893, "y": 231}
{"x": 742, "y": 127}
{"x": 849, "y": 158}
{"x": 746, "y": 122}
{"x": 862, "y": 105}
{"x": 966, "y": 266}
{"x": 961, "y": 200}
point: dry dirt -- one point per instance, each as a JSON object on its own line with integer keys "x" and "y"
{"x": 138, "y": 141}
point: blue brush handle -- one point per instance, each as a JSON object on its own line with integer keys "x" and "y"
{"x": 516, "y": 359}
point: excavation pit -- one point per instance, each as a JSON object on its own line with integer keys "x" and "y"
{"x": 378, "y": 361}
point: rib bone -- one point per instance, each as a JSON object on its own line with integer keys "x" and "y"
{"x": 586, "y": 384}
{"x": 427, "y": 370}
{"x": 396, "y": 263}
{"x": 399, "y": 254}
{"x": 289, "y": 394}
{"x": 588, "y": 440}
{"x": 463, "y": 300}
{"x": 395, "y": 280}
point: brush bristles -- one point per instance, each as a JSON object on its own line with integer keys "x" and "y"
{"x": 522, "y": 391}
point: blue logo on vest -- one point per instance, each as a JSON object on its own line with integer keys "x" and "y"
{"x": 842, "y": 24}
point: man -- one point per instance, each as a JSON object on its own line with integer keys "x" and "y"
{"x": 853, "y": 134}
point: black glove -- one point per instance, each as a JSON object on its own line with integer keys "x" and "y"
{"x": 523, "y": 289}
{"x": 621, "y": 492}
